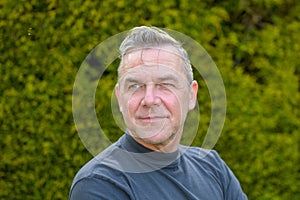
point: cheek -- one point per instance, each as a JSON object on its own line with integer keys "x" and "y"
{"x": 171, "y": 102}
{"x": 177, "y": 104}
{"x": 132, "y": 104}
{"x": 175, "y": 98}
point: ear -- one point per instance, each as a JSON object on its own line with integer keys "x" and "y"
{"x": 117, "y": 92}
{"x": 193, "y": 95}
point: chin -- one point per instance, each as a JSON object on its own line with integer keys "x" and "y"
{"x": 159, "y": 140}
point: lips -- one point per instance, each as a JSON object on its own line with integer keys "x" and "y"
{"x": 151, "y": 118}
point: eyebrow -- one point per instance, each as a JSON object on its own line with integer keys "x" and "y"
{"x": 131, "y": 80}
{"x": 168, "y": 77}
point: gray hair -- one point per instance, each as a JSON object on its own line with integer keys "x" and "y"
{"x": 148, "y": 37}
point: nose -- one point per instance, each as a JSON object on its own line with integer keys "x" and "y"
{"x": 150, "y": 97}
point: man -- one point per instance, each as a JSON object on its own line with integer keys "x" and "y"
{"x": 155, "y": 91}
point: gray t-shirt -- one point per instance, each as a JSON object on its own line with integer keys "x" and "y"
{"x": 128, "y": 170}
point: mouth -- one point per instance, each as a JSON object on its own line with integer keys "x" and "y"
{"x": 150, "y": 119}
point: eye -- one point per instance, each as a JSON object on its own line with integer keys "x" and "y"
{"x": 134, "y": 86}
{"x": 166, "y": 85}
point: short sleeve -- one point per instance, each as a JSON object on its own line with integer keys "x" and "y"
{"x": 92, "y": 188}
{"x": 231, "y": 186}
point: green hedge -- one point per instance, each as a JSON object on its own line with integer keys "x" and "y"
{"x": 255, "y": 45}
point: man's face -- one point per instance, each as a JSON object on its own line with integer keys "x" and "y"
{"x": 154, "y": 95}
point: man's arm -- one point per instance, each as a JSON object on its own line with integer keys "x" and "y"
{"x": 232, "y": 188}
{"x": 94, "y": 188}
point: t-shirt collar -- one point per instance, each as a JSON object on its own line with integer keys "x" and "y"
{"x": 128, "y": 143}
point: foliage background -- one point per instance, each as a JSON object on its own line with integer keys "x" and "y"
{"x": 255, "y": 44}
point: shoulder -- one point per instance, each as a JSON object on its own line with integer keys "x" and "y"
{"x": 209, "y": 162}
{"x": 102, "y": 166}
{"x": 97, "y": 180}
{"x": 98, "y": 186}
{"x": 204, "y": 156}
{"x": 93, "y": 168}
{"x": 206, "y": 161}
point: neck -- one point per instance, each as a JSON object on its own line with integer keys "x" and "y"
{"x": 168, "y": 146}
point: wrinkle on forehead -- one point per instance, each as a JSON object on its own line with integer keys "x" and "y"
{"x": 167, "y": 55}
{"x": 152, "y": 73}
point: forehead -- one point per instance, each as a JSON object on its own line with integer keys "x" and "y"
{"x": 154, "y": 74}
{"x": 164, "y": 56}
